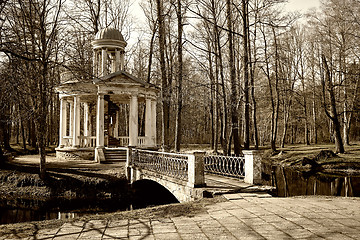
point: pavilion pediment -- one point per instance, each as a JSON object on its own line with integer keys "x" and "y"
{"x": 122, "y": 78}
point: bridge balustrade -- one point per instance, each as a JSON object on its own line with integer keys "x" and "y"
{"x": 183, "y": 174}
{"x": 230, "y": 166}
{"x": 169, "y": 164}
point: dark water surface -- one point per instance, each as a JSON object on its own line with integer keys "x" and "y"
{"x": 289, "y": 182}
{"x": 144, "y": 193}
{"x": 24, "y": 210}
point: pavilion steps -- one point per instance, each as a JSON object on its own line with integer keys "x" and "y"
{"x": 115, "y": 155}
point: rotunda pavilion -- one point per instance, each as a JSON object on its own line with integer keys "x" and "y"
{"x": 103, "y": 112}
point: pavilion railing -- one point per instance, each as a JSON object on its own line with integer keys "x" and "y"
{"x": 169, "y": 164}
{"x": 225, "y": 165}
{"x": 67, "y": 141}
{"x": 87, "y": 141}
{"x": 141, "y": 141}
{"x": 124, "y": 141}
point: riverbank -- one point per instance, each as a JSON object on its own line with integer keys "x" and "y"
{"x": 72, "y": 179}
{"x": 317, "y": 158}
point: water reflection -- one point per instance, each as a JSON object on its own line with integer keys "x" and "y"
{"x": 67, "y": 215}
{"x": 24, "y": 215}
{"x": 144, "y": 193}
{"x": 24, "y": 210}
{"x": 289, "y": 182}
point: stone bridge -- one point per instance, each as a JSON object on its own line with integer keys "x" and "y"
{"x": 184, "y": 174}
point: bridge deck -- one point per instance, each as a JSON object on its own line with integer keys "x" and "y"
{"x": 217, "y": 184}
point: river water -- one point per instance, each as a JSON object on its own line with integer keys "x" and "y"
{"x": 143, "y": 194}
{"x": 24, "y": 210}
{"x": 289, "y": 182}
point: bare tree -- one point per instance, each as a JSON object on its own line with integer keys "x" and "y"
{"x": 233, "y": 84}
{"x": 164, "y": 78}
{"x": 179, "y": 15}
{"x": 329, "y": 101}
{"x": 34, "y": 30}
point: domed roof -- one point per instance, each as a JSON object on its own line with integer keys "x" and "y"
{"x": 109, "y": 33}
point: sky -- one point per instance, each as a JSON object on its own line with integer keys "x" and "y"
{"x": 301, "y": 5}
{"x": 293, "y": 5}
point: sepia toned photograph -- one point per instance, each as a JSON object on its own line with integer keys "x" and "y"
{"x": 179, "y": 119}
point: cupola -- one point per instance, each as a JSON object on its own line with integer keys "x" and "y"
{"x": 108, "y": 52}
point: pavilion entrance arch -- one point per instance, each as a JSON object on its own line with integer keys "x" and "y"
{"x": 103, "y": 112}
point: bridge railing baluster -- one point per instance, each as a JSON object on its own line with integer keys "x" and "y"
{"x": 230, "y": 166}
{"x": 170, "y": 164}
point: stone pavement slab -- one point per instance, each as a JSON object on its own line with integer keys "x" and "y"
{"x": 238, "y": 218}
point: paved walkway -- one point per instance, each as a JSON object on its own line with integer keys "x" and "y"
{"x": 217, "y": 184}
{"x": 243, "y": 216}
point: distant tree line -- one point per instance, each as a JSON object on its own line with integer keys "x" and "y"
{"x": 253, "y": 74}
{"x": 233, "y": 74}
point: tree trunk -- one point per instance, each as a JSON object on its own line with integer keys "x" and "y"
{"x": 223, "y": 115}
{"x": 328, "y": 86}
{"x": 233, "y": 96}
{"x": 306, "y": 127}
{"x": 212, "y": 98}
{"x": 6, "y": 135}
{"x": 216, "y": 105}
{"x": 179, "y": 78}
{"x": 23, "y": 134}
{"x": 41, "y": 121}
{"x": 351, "y": 110}
{"x": 252, "y": 68}
{"x": 164, "y": 81}
{"x": 273, "y": 90}
{"x": 314, "y": 113}
{"x": 1, "y": 154}
{"x": 286, "y": 120}
{"x": 246, "y": 75}
{"x": 32, "y": 135}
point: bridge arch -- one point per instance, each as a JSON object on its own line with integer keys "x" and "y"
{"x": 178, "y": 188}
{"x": 148, "y": 192}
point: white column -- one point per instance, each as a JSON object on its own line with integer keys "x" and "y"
{"x": 148, "y": 123}
{"x": 153, "y": 121}
{"x": 103, "y": 62}
{"x": 100, "y": 121}
{"x": 90, "y": 126}
{"x": 62, "y": 130}
{"x": 116, "y": 128}
{"x": 133, "y": 121}
{"x": 122, "y": 61}
{"x": 99, "y": 63}
{"x": 86, "y": 122}
{"x": 76, "y": 130}
{"x": 113, "y": 62}
{"x": 117, "y": 60}
{"x": 71, "y": 118}
{"x": 95, "y": 63}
